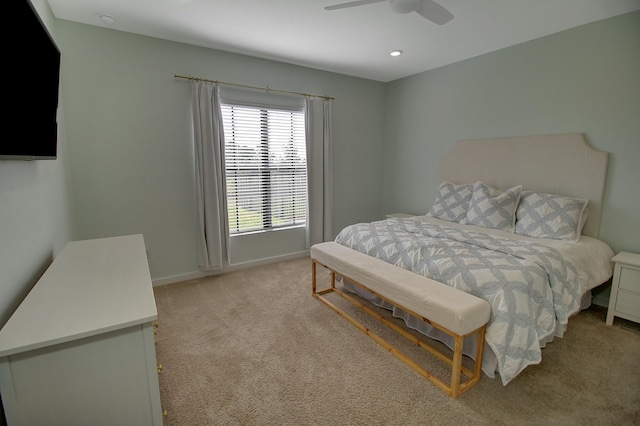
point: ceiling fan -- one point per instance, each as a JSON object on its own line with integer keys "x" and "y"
{"x": 426, "y": 8}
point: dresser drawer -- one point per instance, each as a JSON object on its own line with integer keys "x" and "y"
{"x": 630, "y": 279}
{"x": 628, "y": 303}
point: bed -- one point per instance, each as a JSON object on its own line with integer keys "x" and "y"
{"x": 515, "y": 222}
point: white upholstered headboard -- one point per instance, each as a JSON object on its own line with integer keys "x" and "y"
{"x": 559, "y": 164}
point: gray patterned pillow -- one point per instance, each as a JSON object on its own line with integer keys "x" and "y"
{"x": 452, "y": 201}
{"x": 553, "y": 216}
{"x": 492, "y": 208}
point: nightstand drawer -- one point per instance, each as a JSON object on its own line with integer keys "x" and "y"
{"x": 628, "y": 303}
{"x": 630, "y": 279}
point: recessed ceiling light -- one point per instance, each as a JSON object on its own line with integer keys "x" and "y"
{"x": 396, "y": 53}
{"x": 107, "y": 19}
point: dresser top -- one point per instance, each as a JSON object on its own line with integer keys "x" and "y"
{"x": 627, "y": 258}
{"x": 92, "y": 287}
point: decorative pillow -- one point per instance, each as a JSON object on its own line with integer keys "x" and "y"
{"x": 553, "y": 216}
{"x": 452, "y": 201}
{"x": 492, "y": 208}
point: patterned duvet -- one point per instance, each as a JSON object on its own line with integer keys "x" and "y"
{"x": 532, "y": 288}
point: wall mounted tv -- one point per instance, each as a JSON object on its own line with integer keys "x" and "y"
{"x": 31, "y": 106}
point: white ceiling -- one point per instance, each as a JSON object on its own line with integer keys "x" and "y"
{"x": 354, "y": 41}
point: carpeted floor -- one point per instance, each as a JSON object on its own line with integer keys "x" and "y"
{"x": 253, "y": 347}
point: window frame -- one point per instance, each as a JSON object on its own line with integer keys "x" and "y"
{"x": 266, "y": 172}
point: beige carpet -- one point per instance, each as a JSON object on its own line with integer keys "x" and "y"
{"x": 253, "y": 347}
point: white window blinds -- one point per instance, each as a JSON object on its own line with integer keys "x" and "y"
{"x": 265, "y": 166}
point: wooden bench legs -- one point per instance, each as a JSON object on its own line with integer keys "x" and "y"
{"x": 457, "y": 385}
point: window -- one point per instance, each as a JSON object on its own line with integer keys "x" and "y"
{"x": 265, "y": 167}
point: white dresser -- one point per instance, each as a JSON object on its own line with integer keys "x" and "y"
{"x": 80, "y": 348}
{"x": 624, "y": 301}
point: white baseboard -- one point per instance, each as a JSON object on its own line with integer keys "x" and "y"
{"x": 601, "y": 300}
{"x": 229, "y": 268}
{"x": 601, "y": 295}
{"x": 179, "y": 278}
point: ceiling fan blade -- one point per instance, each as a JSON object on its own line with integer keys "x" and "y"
{"x": 434, "y": 12}
{"x": 353, "y": 4}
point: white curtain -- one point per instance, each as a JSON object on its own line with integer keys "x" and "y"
{"x": 319, "y": 171}
{"x": 209, "y": 158}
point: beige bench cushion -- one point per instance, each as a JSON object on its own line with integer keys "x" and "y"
{"x": 459, "y": 312}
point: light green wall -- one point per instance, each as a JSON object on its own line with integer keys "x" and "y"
{"x": 585, "y": 80}
{"x": 35, "y": 210}
{"x": 129, "y": 131}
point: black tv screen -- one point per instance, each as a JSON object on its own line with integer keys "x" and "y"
{"x": 32, "y": 103}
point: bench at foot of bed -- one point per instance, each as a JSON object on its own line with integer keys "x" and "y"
{"x": 450, "y": 310}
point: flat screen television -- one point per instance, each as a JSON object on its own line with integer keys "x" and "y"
{"x": 31, "y": 105}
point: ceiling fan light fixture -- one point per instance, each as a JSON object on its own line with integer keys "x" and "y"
{"x": 404, "y": 6}
{"x": 396, "y": 52}
{"x": 428, "y": 9}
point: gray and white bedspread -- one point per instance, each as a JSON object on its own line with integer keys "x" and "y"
{"x": 532, "y": 288}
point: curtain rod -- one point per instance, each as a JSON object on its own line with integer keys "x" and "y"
{"x": 267, "y": 89}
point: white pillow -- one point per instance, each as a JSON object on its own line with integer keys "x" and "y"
{"x": 552, "y": 216}
{"x": 492, "y": 208}
{"x": 452, "y": 201}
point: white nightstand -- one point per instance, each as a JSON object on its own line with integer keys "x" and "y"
{"x": 625, "y": 288}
